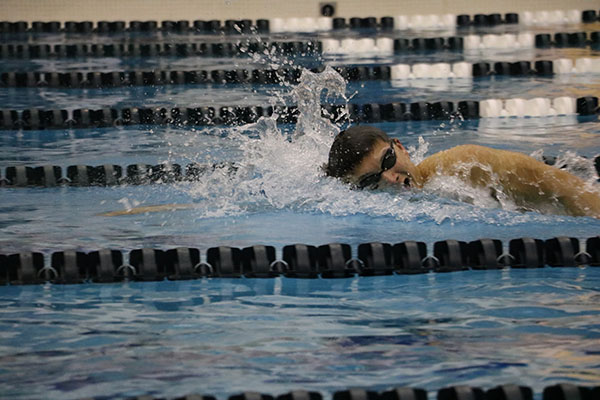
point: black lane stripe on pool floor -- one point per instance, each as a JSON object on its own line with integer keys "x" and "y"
{"x": 332, "y": 260}
{"x": 36, "y": 119}
{"x": 132, "y": 174}
{"x": 157, "y": 77}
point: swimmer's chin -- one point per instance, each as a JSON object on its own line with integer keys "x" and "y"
{"x": 395, "y": 187}
{"x": 407, "y": 184}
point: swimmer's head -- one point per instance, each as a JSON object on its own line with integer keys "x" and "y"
{"x": 368, "y": 158}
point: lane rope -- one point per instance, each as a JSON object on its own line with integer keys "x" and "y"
{"x": 36, "y": 119}
{"x": 158, "y": 77}
{"x": 334, "y": 260}
{"x": 328, "y": 46}
{"x": 132, "y": 174}
{"x": 308, "y": 24}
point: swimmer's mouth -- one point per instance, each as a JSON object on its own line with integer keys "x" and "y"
{"x": 406, "y": 184}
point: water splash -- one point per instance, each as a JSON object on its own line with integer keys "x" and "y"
{"x": 276, "y": 169}
{"x": 308, "y": 97}
{"x": 281, "y": 169}
{"x": 575, "y": 164}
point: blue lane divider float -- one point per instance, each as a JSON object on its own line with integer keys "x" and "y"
{"x": 35, "y": 119}
{"x": 298, "y": 261}
{"x": 157, "y": 77}
{"x": 328, "y": 46}
{"x": 307, "y": 24}
{"x": 132, "y": 174}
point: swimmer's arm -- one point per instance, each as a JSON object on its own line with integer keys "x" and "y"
{"x": 524, "y": 178}
{"x": 147, "y": 209}
{"x": 535, "y": 182}
{"x": 571, "y": 191}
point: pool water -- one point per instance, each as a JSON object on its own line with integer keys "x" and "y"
{"x": 224, "y": 336}
{"x": 481, "y": 328}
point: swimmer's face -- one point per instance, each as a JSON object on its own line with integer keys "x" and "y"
{"x": 388, "y": 164}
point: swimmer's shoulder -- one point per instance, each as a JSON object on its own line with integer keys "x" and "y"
{"x": 483, "y": 154}
{"x": 471, "y": 151}
{"x": 461, "y": 153}
{"x": 450, "y": 161}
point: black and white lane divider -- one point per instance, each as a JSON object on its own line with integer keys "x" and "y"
{"x": 132, "y": 174}
{"x": 332, "y": 260}
{"x": 307, "y": 24}
{"x": 157, "y": 77}
{"x": 35, "y": 119}
{"x": 378, "y": 45}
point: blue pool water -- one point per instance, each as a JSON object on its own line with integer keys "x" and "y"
{"x": 223, "y": 336}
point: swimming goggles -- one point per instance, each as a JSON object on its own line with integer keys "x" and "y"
{"x": 387, "y": 162}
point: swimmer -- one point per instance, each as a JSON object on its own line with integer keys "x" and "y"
{"x": 367, "y": 158}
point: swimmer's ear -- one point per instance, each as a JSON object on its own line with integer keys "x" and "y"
{"x": 397, "y": 143}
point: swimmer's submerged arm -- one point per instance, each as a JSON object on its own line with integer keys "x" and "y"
{"x": 147, "y": 209}
{"x": 537, "y": 183}
{"x": 525, "y": 179}
{"x": 572, "y": 192}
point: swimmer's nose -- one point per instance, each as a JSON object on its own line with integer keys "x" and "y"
{"x": 397, "y": 179}
{"x": 391, "y": 177}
